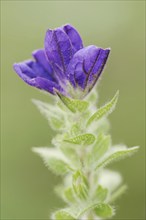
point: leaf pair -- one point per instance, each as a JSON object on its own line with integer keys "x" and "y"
{"x": 102, "y": 210}
{"x": 75, "y": 105}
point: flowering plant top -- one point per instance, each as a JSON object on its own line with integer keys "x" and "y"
{"x": 82, "y": 147}
{"x": 64, "y": 64}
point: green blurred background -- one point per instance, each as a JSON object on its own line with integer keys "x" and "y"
{"x": 27, "y": 185}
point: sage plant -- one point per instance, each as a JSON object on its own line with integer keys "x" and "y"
{"x": 82, "y": 147}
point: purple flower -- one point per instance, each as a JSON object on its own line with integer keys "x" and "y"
{"x": 64, "y": 65}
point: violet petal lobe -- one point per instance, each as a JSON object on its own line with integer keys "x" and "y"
{"x": 41, "y": 57}
{"x": 98, "y": 67}
{"x": 46, "y": 85}
{"x": 39, "y": 70}
{"x": 58, "y": 49}
{"x": 74, "y": 37}
{"x": 86, "y": 66}
{"x": 24, "y": 71}
{"x": 29, "y": 76}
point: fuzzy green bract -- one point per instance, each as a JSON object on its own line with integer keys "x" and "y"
{"x": 80, "y": 153}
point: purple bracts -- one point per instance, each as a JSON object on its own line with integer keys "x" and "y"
{"x": 64, "y": 64}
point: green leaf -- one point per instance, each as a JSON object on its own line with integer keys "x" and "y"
{"x": 82, "y": 208}
{"x": 84, "y": 139}
{"x": 45, "y": 108}
{"x": 73, "y": 105}
{"x": 102, "y": 126}
{"x": 69, "y": 195}
{"x": 75, "y": 129}
{"x": 57, "y": 166}
{"x": 80, "y": 184}
{"x": 55, "y": 123}
{"x": 66, "y": 193}
{"x": 119, "y": 154}
{"x": 53, "y": 114}
{"x": 92, "y": 206}
{"x": 104, "y": 210}
{"x": 63, "y": 215}
{"x": 86, "y": 208}
{"x": 105, "y": 110}
{"x": 101, "y": 193}
{"x": 54, "y": 160}
{"x": 101, "y": 147}
{"x": 71, "y": 154}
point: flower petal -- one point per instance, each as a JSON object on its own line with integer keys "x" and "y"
{"x": 41, "y": 58}
{"x": 46, "y": 85}
{"x": 29, "y": 76}
{"x": 86, "y": 66}
{"x": 24, "y": 71}
{"x": 98, "y": 67}
{"x": 39, "y": 70}
{"x": 74, "y": 37}
{"x": 58, "y": 49}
